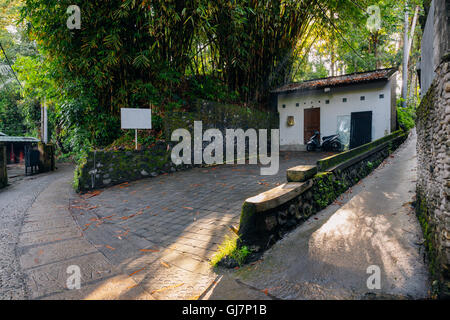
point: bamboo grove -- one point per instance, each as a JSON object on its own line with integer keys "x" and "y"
{"x": 166, "y": 53}
{"x": 123, "y": 45}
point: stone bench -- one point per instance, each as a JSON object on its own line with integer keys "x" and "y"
{"x": 277, "y": 196}
{"x": 301, "y": 173}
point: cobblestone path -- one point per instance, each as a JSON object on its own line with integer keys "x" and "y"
{"x": 162, "y": 231}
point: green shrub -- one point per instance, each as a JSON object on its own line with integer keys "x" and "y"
{"x": 406, "y": 116}
{"x": 229, "y": 248}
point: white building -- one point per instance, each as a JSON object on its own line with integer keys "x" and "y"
{"x": 361, "y": 107}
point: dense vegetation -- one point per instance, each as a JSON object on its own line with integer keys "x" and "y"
{"x": 166, "y": 54}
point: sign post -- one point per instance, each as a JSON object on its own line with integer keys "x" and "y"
{"x": 136, "y": 119}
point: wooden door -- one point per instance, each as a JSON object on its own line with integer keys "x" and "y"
{"x": 360, "y": 128}
{"x": 311, "y": 123}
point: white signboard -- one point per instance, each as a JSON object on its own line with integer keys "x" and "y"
{"x": 136, "y": 118}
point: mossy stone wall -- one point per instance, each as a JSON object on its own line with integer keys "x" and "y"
{"x": 260, "y": 230}
{"x": 433, "y": 171}
{"x": 220, "y": 116}
{"x": 46, "y": 157}
{"x": 327, "y": 163}
{"x": 99, "y": 169}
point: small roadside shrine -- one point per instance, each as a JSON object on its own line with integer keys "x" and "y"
{"x": 15, "y": 147}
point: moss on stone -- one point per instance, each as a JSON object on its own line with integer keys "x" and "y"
{"x": 422, "y": 212}
{"x": 334, "y": 160}
{"x": 247, "y": 215}
{"x": 423, "y": 110}
{"x": 327, "y": 186}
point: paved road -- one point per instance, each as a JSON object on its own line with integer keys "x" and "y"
{"x": 328, "y": 256}
{"x": 163, "y": 231}
{"x": 149, "y": 239}
{"x": 15, "y": 201}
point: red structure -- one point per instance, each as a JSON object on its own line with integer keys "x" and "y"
{"x": 15, "y": 147}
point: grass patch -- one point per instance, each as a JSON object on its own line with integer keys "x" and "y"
{"x": 229, "y": 248}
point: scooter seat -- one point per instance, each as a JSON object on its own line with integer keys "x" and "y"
{"x": 327, "y": 137}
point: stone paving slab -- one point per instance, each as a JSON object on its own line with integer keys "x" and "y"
{"x": 327, "y": 257}
{"x": 15, "y": 201}
{"x": 162, "y": 231}
{"x": 50, "y": 241}
{"x": 149, "y": 239}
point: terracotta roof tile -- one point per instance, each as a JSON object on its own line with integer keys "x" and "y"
{"x": 354, "y": 78}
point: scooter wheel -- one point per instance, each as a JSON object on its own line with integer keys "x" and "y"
{"x": 336, "y": 146}
{"x": 310, "y": 148}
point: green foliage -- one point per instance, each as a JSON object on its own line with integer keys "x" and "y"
{"x": 12, "y": 121}
{"x": 166, "y": 54}
{"x": 210, "y": 88}
{"x": 325, "y": 189}
{"x": 83, "y": 123}
{"x": 406, "y": 116}
{"x": 146, "y": 139}
{"x": 229, "y": 248}
{"x": 241, "y": 254}
{"x": 344, "y": 43}
{"x": 19, "y": 115}
{"x": 422, "y": 213}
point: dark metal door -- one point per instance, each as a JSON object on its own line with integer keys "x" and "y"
{"x": 311, "y": 123}
{"x": 361, "y": 128}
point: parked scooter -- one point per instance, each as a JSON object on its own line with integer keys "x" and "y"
{"x": 329, "y": 143}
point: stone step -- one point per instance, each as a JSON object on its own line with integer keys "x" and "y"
{"x": 278, "y": 196}
{"x": 301, "y": 173}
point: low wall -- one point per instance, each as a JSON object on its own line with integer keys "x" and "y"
{"x": 433, "y": 177}
{"x": 266, "y": 217}
{"x": 220, "y": 116}
{"x": 3, "y": 171}
{"x": 329, "y": 162}
{"x": 101, "y": 169}
{"x": 46, "y": 157}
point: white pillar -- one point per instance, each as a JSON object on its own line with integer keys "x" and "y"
{"x": 405, "y": 58}
{"x": 45, "y": 134}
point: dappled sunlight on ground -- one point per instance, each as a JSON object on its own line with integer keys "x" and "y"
{"x": 162, "y": 232}
{"x": 328, "y": 256}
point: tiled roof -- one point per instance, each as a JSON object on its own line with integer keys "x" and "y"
{"x": 348, "y": 79}
{"x": 17, "y": 139}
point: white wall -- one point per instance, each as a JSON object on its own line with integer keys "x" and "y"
{"x": 427, "y": 63}
{"x": 291, "y": 138}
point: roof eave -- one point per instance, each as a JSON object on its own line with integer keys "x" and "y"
{"x": 386, "y": 78}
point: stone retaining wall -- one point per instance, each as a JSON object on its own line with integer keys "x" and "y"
{"x": 267, "y": 217}
{"x": 220, "y": 116}
{"x": 101, "y": 169}
{"x": 46, "y": 157}
{"x": 329, "y": 162}
{"x": 3, "y": 171}
{"x": 107, "y": 168}
{"x": 433, "y": 185}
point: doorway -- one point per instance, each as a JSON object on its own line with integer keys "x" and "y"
{"x": 311, "y": 123}
{"x": 361, "y": 128}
